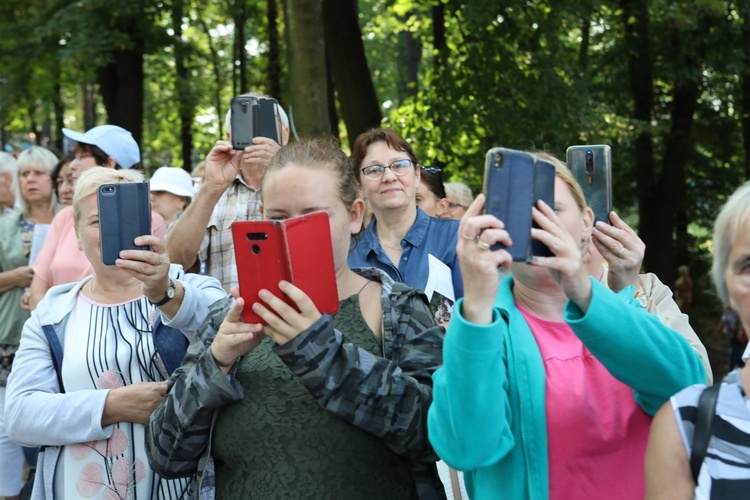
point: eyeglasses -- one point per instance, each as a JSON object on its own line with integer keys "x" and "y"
{"x": 432, "y": 170}
{"x": 398, "y": 167}
{"x": 81, "y": 156}
{"x": 453, "y": 205}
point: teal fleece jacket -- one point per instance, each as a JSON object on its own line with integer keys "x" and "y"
{"x": 488, "y": 412}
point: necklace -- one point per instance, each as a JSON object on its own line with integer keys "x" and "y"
{"x": 91, "y": 290}
{"x": 389, "y": 246}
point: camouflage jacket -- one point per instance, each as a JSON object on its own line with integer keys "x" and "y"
{"x": 399, "y": 387}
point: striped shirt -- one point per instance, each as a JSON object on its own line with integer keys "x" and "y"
{"x": 239, "y": 202}
{"x": 725, "y": 472}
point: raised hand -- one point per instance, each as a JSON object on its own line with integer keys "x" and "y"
{"x": 234, "y": 338}
{"x": 222, "y": 165}
{"x": 566, "y": 265}
{"x": 284, "y": 323}
{"x": 622, "y": 249}
{"x": 151, "y": 267}
{"x": 479, "y": 266}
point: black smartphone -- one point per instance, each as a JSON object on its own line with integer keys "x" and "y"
{"x": 592, "y": 168}
{"x": 513, "y": 182}
{"x": 124, "y": 214}
{"x": 254, "y": 117}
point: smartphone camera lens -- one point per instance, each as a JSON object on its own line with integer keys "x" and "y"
{"x": 498, "y": 160}
{"x": 589, "y": 162}
{"x": 255, "y": 249}
{"x": 108, "y": 189}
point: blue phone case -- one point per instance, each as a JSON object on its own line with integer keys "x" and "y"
{"x": 513, "y": 182}
{"x": 124, "y": 214}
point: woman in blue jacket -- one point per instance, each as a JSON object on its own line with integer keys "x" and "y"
{"x": 550, "y": 379}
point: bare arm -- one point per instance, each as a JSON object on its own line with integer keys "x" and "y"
{"x": 133, "y": 403}
{"x": 668, "y": 475}
{"x": 38, "y": 288}
{"x": 184, "y": 240}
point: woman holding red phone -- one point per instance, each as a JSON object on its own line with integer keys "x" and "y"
{"x": 309, "y": 405}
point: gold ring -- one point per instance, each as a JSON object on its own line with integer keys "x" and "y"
{"x": 161, "y": 258}
{"x": 467, "y": 237}
{"x": 482, "y": 245}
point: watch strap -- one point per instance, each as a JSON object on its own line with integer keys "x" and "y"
{"x": 166, "y": 297}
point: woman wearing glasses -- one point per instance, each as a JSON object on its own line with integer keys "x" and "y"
{"x": 402, "y": 238}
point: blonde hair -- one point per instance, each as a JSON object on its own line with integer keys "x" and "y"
{"x": 732, "y": 219}
{"x": 36, "y": 156}
{"x": 564, "y": 174}
{"x": 91, "y": 179}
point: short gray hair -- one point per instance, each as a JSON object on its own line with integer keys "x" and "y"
{"x": 8, "y": 163}
{"x": 459, "y": 191}
{"x": 36, "y": 156}
{"x": 91, "y": 179}
{"x": 731, "y": 220}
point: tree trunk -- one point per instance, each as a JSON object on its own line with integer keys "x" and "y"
{"x": 351, "y": 74}
{"x": 240, "y": 59}
{"x": 274, "y": 55}
{"x": 121, "y": 88}
{"x": 333, "y": 116}
{"x": 216, "y": 63}
{"x": 89, "y": 105}
{"x": 409, "y": 56}
{"x": 744, "y": 9}
{"x": 182, "y": 87}
{"x": 59, "y": 108}
{"x": 690, "y": 48}
{"x": 636, "y": 24}
{"x": 307, "y": 66}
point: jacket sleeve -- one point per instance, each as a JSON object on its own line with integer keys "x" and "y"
{"x": 179, "y": 429}
{"x": 635, "y": 346}
{"x": 663, "y": 305}
{"x": 385, "y": 397}
{"x": 469, "y": 421}
{"x": 36, "y": 412}
{"x": 200, "y": 293}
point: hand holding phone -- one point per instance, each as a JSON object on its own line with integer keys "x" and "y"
{"x": 297, "y": 250}
{"x": 124, "y": 214}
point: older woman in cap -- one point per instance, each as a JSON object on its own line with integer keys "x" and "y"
{"x": 61, "y": 260}
{"x": 171, "y": 193}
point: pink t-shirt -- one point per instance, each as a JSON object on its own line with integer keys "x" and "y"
{"x": 60, "y": 261}
{"x": 596, "y": 433}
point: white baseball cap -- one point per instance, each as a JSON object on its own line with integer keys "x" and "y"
{"x": 113, "y": 140}
{"x": 172, "y": 180}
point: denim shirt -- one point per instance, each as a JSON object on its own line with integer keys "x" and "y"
{"x": 427, "y": 235}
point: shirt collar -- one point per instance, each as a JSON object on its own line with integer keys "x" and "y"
{"x": 414, "y": 237}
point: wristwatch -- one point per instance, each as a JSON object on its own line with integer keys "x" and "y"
{"x": 169, "y": 295}
{"x": 642, "y": 299}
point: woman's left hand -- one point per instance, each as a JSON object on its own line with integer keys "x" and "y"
{"x": 151, "y": 267}
{"x": 566, "y": 265}
{"x": 622, "y": 249}
{"x": 283, "y": 322}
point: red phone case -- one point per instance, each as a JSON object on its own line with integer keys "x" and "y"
{"x": 296, "y": 250}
